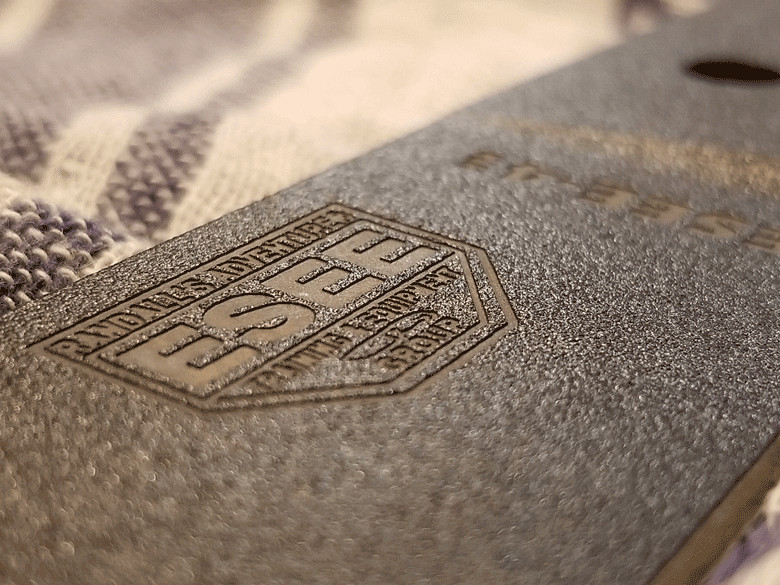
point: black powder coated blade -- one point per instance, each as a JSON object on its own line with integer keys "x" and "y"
{"x": 536, "y": 342}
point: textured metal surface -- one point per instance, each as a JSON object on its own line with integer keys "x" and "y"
{"x": 627, "y": 210}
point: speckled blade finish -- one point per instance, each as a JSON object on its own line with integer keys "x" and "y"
{"x": 536, "y": 342}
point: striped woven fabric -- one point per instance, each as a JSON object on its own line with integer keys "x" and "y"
{"x": 125, "y": 123}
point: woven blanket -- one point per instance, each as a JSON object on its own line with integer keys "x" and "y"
{"x": 126, "y": 123}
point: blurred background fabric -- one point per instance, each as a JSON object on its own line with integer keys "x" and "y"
{"x": 124, "y": 123}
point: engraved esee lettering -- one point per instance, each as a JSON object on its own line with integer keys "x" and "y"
{"x": 182, "y": 364}
{"x": 609, "y": 197}
{"x": 719, "y": 224}
{"x": 660, "y": 209}
{"x": 381, "y": 256}
{"x": 261, "y": 322}
{"x": 765, "y": 238}
{"x": 180, "y": 353}
{"x": 312, "y": 278}
{"x": 338, "y": 296}
{"x": 309, "y": 280}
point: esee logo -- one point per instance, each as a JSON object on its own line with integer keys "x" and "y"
{"x": 339, "y": 304}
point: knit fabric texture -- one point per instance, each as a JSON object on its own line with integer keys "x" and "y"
{"x": 125, "y": 123}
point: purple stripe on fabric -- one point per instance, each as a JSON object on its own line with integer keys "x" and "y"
{"x": 91, "y": 52}
{"x": 148, "y": 179}
{"x": 151, "y": 176}
{"x": 23, "y": 142}
{"x": 43, "y": 249}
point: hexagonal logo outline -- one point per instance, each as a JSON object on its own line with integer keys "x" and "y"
{"x": 339, "y": 304}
